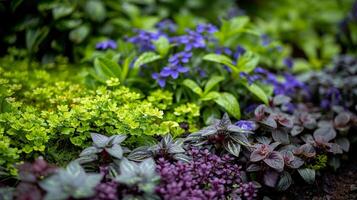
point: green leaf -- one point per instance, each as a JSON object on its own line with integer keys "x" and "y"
{"x": 247, "y": 62}
{"x": 144, "y": 58}
{"x": 126, "y": 67}
{"x": 35, "y": 37}
{"x": 210, "y": 96}
{"x": 229, "y": 103}
{"x": 193, "y": 86}
{"x": 61, "y": 11}
{"x": 231, "y": 28}
{"x": 257, "y": 91}
{"x": 79, "y": 34}
{"x": 212, "y": 82}
{"x": 95, "y": 10}
{"x": 162, "y": 45}
{"x": 209, "y": 114}
{"x": 222, "y": 59}
{"x": 106, "y": 68}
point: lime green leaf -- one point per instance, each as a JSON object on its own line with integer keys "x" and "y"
{"x": 229, "y": 103}
{"x": 193, "y": 86}
{"x": 257, "y": 91}
{"x": 144, "y": 58}
{"x": 212, "y": 82}
{"x": 162, "y": 45}
{"x": 247, "y": 62}
{"x": 222, "y": 59}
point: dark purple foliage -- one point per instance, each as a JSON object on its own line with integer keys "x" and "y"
{"x": 207, "y": 176}
{"x": 106, "y": 191}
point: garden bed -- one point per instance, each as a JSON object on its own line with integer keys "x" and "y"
{"x": 233, "y": 100}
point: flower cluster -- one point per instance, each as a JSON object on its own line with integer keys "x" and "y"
{"x": 143, "y": 39}
{"x": 207, "y": 176}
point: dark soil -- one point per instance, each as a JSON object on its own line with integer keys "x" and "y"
{"x": 339, "y": 185}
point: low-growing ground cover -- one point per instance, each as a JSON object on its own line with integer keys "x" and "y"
{"x": 142, "y": 100}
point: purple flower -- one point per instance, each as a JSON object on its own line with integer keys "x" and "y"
{"x": 166, "y": 25}
{"x": 250, "y": 78}
{"x": 192, "y": 40}
{"x": 201, "y": 72}
{"x": 239, "y": 52}
{"x": 206, "y": 28}
{"x": 173, "y": 71}
{"x": 246, "y": 125}
{"x": 107, "y": 44}
{"x": 265, "y": 40}
{"x": 160, "y": 79}
{"x": 180, "y": 58}
{"x": 224, "y": 50}
{"x": 289, "y": 62}
{"x": 207, "y": 176}
{"x": 143, "y": 39}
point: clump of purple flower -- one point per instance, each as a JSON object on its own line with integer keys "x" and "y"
{"x": 106, "y": 191}
{"x": 143, "y": 39}
{"x": 207, "y": 176}
{"x": 107, "y": 44}
{"x": 192, "y": 40}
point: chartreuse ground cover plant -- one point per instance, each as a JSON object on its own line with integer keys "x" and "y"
{"x": 109, "y": 100}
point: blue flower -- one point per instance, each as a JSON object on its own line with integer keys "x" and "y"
{"x": 224, "y": 50}
{"x": 265, "y": 40}
{"x": 166, "y": 25}
{"x": 246, "y": 125}
{"x": 107, "y": 44}
{"x": 239, "y": 52}
{"x": 289, "y": 62}
{"x": 160, "y": 79}
{"x": 191, "y": 41}
{"x": 206, "y": 28}
{"x": 173, "y": 71}
{"x": 180, "y": 58}
{"x": 144, "y": 39}
{"x": 250, "y": 78}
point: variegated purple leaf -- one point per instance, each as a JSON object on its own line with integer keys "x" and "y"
{"x": 334, "y": 148}
{"x": 306, "y": 150}
{"x": 284, "y": 182}
{"x": 325, "y": 134}
{"x": 275, "y": 160}
{"x": 271, "y": 178}
{"x": 279, "y": 135}
{"x": 296, "y": 130}
{"x": 253, "y": 168}
{"x": 344, "y": 143}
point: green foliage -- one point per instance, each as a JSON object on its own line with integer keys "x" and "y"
{"x": 319, "y": 163}
{"x": 39, "y": 112}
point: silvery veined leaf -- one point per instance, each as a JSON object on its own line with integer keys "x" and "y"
{"x": 232, "y": 147}
{"x": 89, "y": 151}
{"x": 182, "y": 157}
{"x": 140, "y": 154}
{"x": 99, "y": 140}
{"x": 115, "y": 151}
{"x": 116, "y": 139}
